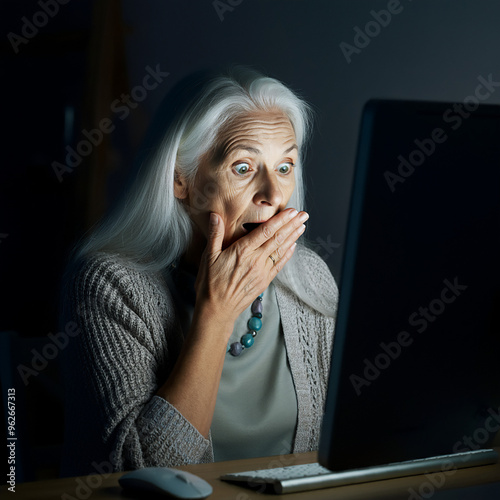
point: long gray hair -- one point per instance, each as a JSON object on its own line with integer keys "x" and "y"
{"x": 150, "y": 228}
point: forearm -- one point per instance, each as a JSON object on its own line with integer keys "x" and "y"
{"x": 193, "y": 384}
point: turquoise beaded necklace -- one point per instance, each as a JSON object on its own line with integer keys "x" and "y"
{"x": 254, "y": 325}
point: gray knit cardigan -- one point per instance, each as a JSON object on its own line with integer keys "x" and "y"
{"x": 128, "y": 341}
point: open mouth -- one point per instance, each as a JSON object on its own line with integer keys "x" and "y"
{"x": 250, "y": 226}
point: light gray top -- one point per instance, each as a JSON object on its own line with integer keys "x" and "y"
{"x": 129, "y": 340}
{"x": 256, "y": 408}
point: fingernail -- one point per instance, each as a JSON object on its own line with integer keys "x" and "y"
{"x": 292, "y": 213}
{"x": 214, "y": 220}
{"x": 303, "y": 216}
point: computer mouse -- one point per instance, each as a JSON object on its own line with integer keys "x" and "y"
{"x": 173, "y": 482}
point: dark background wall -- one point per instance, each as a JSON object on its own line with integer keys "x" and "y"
{"x": 71, "y": 72}
{"x": 430, "y": 50}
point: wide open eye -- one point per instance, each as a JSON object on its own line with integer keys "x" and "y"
{"x": 285, "y": 168}
{"x": 242, "y": 168}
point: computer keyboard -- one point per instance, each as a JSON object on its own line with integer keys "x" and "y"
{"x": 290, "y": 472}
{"x": 314, "y": 476}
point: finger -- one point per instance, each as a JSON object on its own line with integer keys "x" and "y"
{"x": 282, "y": 261}
{"x": 267, "y": 230}
{"x": 215, "y": 237}
{"x": 273, "y": 259}
{"x": 280, "y": 251}
{"x": 286, "y": 236}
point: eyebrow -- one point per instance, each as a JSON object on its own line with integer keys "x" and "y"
{"x": 251, "y": 149}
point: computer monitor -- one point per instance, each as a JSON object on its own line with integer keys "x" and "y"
{"x": 415, "y": 368}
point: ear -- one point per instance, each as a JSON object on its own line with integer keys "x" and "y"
{"x": 180, "y": 186}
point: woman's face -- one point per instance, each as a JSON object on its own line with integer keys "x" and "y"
{"x": 247, "y": 179}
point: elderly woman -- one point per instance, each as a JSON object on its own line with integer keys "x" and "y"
{"x": 205, "y": 324}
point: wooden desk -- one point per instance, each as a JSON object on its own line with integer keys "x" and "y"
{"x": 106, "y": 488}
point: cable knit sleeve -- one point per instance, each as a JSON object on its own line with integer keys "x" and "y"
{"x": 126, "y": 347}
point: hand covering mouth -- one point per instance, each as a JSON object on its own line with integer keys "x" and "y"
{"x": 250, "y": 226}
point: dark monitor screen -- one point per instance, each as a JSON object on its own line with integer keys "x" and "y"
{"x": 416, "y": 356}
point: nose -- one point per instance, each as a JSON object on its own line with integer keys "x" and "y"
{"x": 268, "y": 191}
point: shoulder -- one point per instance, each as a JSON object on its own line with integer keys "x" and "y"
{"x": 107, "y": 278}
{"x": 111, "y": 301}
{"x": 316, "y": 274}
{"x": 109, "y": 268}
{"x": 313, "y": 262}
